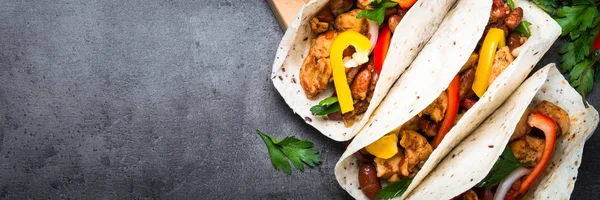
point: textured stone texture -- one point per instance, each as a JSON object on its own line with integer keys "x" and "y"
{"x": 156, "y": 100}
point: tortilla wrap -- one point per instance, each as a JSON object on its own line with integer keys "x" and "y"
{"x": 431, "y": 73}
{"x": 416, "y": 28}
{"x": 474, "y": 157}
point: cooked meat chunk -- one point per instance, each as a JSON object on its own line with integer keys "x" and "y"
{"x": 429, "y": 128}
{"x": 340, "y": 6}
{"x": 466, "y": 82}
{"x": 314, "y": 75}
{"x": 560, "y": 116}
{"x": 364, "y": 4}
{"x": 413, "y": 124}
{"x": 321, "y": 45}
{"x": 469, "y": 195}
{"x": 394, "y": 178}
{"x": 393, "y": 22}
{"x": 388, "y": 167}
{"x": 514, "y": 18}
{"x": 522, "y": 127}
{"x": 471, "y": 63}
{"x": 359, "y": 108}
{"x": 502, "y": 59}
{"x": 437, "y": 108}
{"x": 348, "y": 21}
{"x": 528, "y": 149}
{"x": 318, "y": 26}
{"x": 351, "y": 73}
{"x": 499, "y": 11}
{"x": 361, "y": 84}
{"x": 417, "y": 150}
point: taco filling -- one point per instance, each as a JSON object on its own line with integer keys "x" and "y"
{"x": 351, "y": 43}
{"x": 526, "y": 156}
{"x": 400, "y": 154}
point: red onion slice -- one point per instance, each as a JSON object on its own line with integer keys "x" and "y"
{"x": 507, "y": 183}
{"x": 374, "y": 32}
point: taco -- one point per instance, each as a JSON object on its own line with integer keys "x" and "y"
{"x": 441, "y": 98}
{"x": 331, "y": 65}
{"x": 530, "y": 148}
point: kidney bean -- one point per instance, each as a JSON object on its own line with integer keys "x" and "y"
{"x": 367, "y": 178}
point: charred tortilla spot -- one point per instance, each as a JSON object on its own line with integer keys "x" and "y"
{"x": 280, "y": 78}
{"x": 308, "y": 119}
{"x": 491, "y": 146}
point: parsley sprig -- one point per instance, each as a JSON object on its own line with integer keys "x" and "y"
{"x": 299, "y": 152}
{"x": 394, "y": 189}
{"x": 502, "y": 168}
{"x": 378, "y": 13}
{"x": 326, "y": 106}
{"x": 580, "y": 23}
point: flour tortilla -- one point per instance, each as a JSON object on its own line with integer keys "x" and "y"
{"x": 414, "y": 30}
{"x": 431, "y": 73}
{"x": 474, "y": 157}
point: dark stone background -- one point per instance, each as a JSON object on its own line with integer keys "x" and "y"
{"x": 156, "y": 100}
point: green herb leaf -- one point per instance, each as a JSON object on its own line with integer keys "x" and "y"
{"x": 326, "y": 106}
{"x": 394, "y": 189}
{"x": 576, "y": 19}
{"x": 511, "y": 4}
{"x": 299, "y": 152}
{"x": 523, "y": 28}
{"x": 502, "y": 168}
{"x": 378, "y": 13}
{"x": 547, "y": 5}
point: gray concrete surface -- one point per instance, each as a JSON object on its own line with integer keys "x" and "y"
{"x": 156, "y": 100}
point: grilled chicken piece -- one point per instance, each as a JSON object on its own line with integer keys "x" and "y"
{"x": 318, "y": 26}
{"x": 348, "y": 21}
{"x": 437, "y": 109}
{"x": 364, "y": 4}
{"x": 417, "y": 150}
{"x": 340, "y": 6}
{"x": 469, "y": 195}
{"x": 522, "y": 127}
{"x": 388, "y": 167}
{"x": 502, "y": 59}
{"x": 471, "y": 63}
{"x": 314, "y": 75}
{"x": 560, "y": 116}
{"x": 528, "y": 149}
{"x": 321, "y": 45}
{"x": 320, "y": 23}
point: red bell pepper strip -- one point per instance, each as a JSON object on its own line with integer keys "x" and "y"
{"x": 381, "y": 47}
{"x": 548, "y": 126}
{"x": 451, "y": 112}
{"x": 405, "y": 4}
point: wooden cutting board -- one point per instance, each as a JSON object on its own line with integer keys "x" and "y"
{"x": 285, "y": 10}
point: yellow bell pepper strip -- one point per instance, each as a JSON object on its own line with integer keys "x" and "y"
{"x": 386, "y": 147}
{"x": 341, "y": 42}
{"x": 493, "y": 41}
